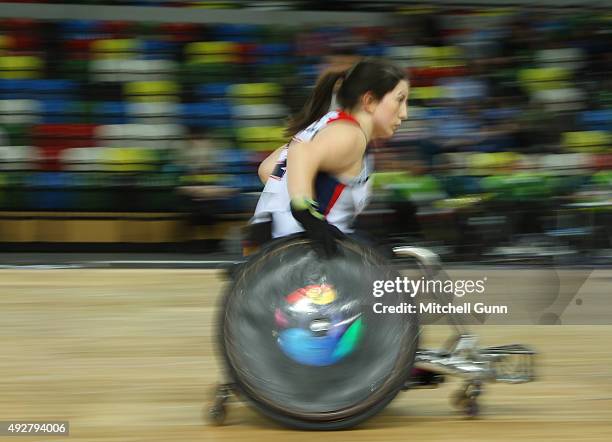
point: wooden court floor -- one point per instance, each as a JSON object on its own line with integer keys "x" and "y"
{"x": 128, "y": 355}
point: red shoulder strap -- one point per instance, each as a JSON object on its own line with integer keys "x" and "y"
{"x": 343, "y": 116}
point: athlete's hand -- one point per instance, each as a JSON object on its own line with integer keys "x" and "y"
{"x": 317, "y": 228}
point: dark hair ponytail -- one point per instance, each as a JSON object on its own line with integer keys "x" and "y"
{"x": 318, "y": 103}
{"x": 369, "y": 75}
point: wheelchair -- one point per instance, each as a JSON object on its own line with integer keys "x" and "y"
{"x": 304, "y": 342}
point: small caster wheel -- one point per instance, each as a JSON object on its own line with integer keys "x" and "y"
{"x": 459, "y": 400}
{"x": 471, "y": 408}
{"x": 473, "y": 389}
{"x": 216, "y": 414}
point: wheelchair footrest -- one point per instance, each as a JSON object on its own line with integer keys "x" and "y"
{"x": 512, "y": 364}
{"x": 507, "y": 363}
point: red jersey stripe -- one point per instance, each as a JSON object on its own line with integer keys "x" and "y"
{"x": 337, "y": 191}
{"x": 343, "y": 116}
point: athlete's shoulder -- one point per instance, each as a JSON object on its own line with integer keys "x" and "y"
{"x": 338, "y": 146}
{"x": 343, "y": 132}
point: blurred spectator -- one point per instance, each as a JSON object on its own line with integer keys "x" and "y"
{"x": 203, "y": 193}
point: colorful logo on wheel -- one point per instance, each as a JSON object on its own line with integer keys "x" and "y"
{"x": 315, "y": 328}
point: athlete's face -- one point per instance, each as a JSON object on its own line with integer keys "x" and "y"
{"x": 389, "y": 112}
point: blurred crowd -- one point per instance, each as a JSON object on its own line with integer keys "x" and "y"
{"x": 507, "y": 148}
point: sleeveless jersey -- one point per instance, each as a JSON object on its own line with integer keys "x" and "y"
{"x": 339, "y": 200}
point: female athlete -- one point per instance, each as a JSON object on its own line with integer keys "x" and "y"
{"x": 318, "y": 182}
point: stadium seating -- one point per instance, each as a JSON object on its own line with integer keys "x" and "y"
{"x": 96, "y": 113}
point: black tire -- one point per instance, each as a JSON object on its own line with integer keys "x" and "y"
{"x": 335, "y": 425}
{"x": 341, "y": 418}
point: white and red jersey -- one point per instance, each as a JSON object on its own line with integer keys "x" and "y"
{"x": 339, "y": 200}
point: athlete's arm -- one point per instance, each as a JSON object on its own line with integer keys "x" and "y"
{"x": 334, "y": 150}
{"x": 267, "y": 166}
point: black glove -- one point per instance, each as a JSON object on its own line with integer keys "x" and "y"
{"x": 317, "y": 228}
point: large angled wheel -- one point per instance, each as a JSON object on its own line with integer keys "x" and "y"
{"x": 302, "y": 341}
